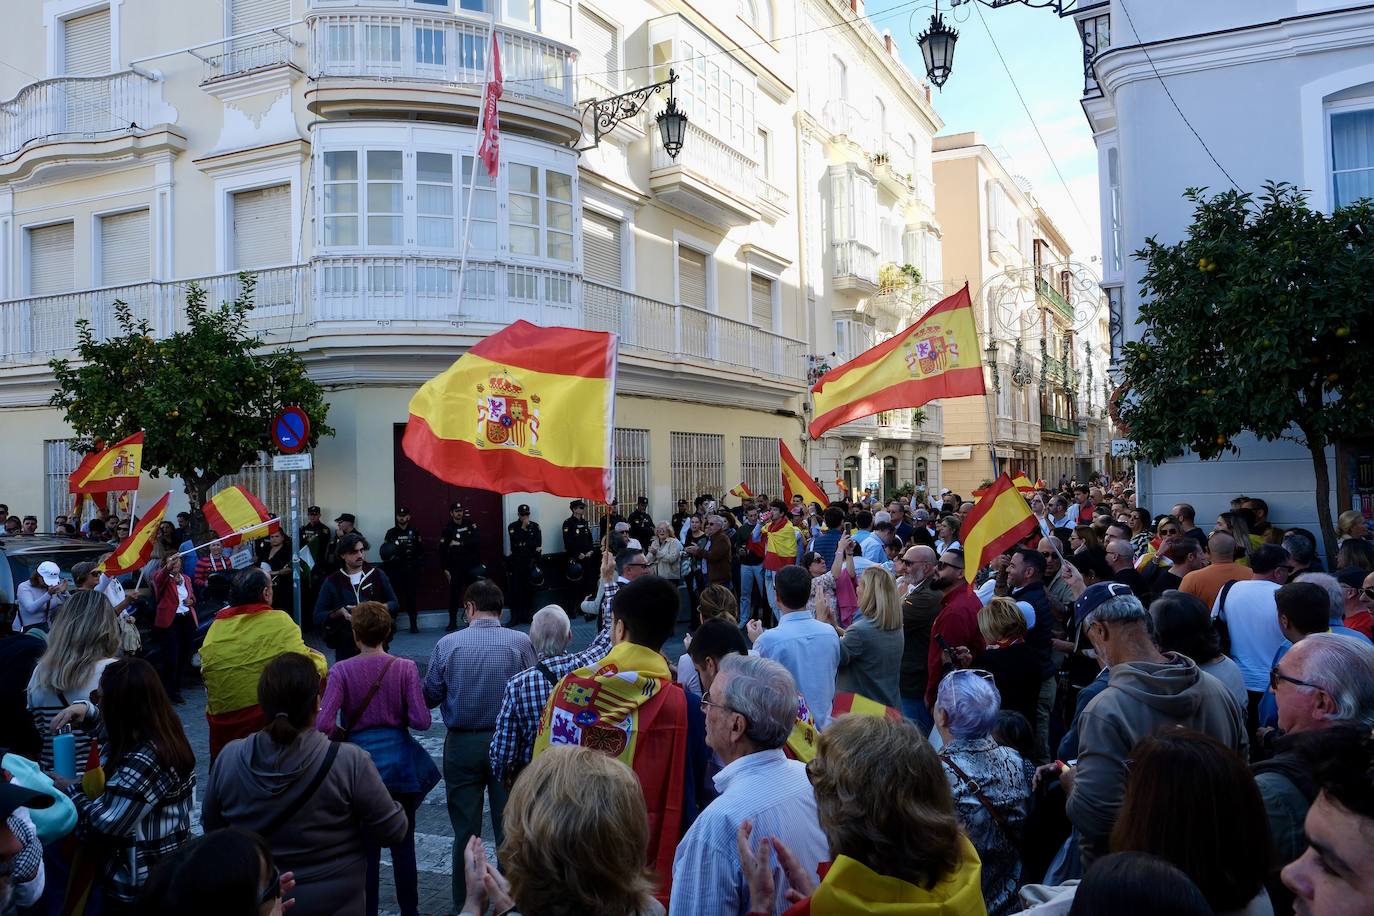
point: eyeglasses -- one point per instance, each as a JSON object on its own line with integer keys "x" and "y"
{"x": 1368, "y": 593}
{"x": 1275, "y": 675}
{"x": 707, "y": 703}
{"x": 943, "y": 565}
{"x": 273, "y": 889}
{"x": 637, "y": 565}
{"x": 1166, "y": 532}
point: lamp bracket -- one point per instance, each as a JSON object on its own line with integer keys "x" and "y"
{"x": 608, "y": 112}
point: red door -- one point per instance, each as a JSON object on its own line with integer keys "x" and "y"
{"x": 428, "y": 498}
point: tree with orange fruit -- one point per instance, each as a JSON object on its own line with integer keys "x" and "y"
{"x": 1266, "y": 311}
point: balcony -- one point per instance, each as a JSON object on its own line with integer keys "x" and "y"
{"x": 246, "y": 58}
{"x": 855, "y": 267}
{"x": 843, "y": 120}
{"x": 1053, "y": 299}
{"x": 121, "y": 115}
{"x": 340, "y": 296}
{"x": 1058, "y": 426}
{"x": 404, "y": 63}
{"x": 895, "y": 168}
{"x": 710, "y": 179}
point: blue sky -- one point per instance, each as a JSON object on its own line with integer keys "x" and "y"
{"x": 1045, "y": 57}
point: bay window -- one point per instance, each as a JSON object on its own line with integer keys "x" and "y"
{"x": 853, "y": 199}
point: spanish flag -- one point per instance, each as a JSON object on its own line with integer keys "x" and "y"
{"x": 136, "y": 550}
{"x": 801, "y": 743}
{"x": 528, "y": 409}
{"x": 237, "y": 515}
{"x": 937, "y": 357}
{"x": 999, "y": 521}
{"x": 796, "y": 480}
{"x": 109, "y": 470}
{"x": 1023, "y": 484}
{"x": 742, "y": 491}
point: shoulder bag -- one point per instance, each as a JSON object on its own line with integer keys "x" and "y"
{"x": 998, "y": 817}
{"x": 351, "y": 722}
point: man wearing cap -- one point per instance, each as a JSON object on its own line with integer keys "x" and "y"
{"x": 642, "y": 523}
{"x": 579, "y": 546}
{"x": 402, "y": 564}
{"x": 21, "y": 853}
{"x": 460, "y": 547}
{"x": 313, "y": 532}
{"x": 620, "y": 537}
{"x": 526, "y": 545}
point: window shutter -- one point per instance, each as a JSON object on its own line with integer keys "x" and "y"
{"x": 50, "y": 259}
{"x": 601, "y": 251}
{"x": 600, "y": 49}
{"x": 262, "y": 227}
{"x": 251, "y": 15}
{"x": 86, "y": 44}
{"x": 124, "y": 249}
{"x": 761, "y": 297}
{"x": 691, "y": 277}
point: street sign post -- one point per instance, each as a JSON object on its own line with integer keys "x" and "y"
{"x": 291, "y": 434}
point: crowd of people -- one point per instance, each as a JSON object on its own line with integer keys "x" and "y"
{"x": 1122, "y": 712}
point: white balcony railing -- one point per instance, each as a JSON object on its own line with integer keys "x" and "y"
{"x": 237, "y": 56}
{"x": 855, "y": 259}
{"x": 707, "y": 156}
{"x": 450, "y": 50}
{"x": 80, "y": 107}
{"x": 335, "y": 294}
{"x": 843, "y": 119}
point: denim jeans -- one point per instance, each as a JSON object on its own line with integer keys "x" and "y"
{"x": 749, "y": 577}
{"x": 403, "y": 868}
{"x": 467, "y": 773}
{"x": 914, "y": 708}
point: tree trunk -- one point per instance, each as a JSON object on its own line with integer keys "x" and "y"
{"x": 1317, "y": 448}
{"x": 197, "y": 488}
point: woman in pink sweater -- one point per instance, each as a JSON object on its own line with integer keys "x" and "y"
{"x": 372, "y": 700}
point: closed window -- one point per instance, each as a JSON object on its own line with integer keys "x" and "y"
{"x": 60, "y": 461}
{"x": 434, "y": 199}
{"x": 698, "y": 464}
{"x": 483, "y": 206}
{"x": 247, "y": 16}
{"x": 86, "y": 44}
{"x": 691, "y": 277}
{"x": 1114, "y": 213}
{"x": 602, "y": 249}
{"x": 540, "y": 228}
{"x": 758, "y": 461}
{"x": 385, "y": 213}
{"x": 262, "y": 227}
{"x": 51, "y": 250}
{"x": 340, "y": 203}
{"x": 125, "y": 255}
{"x": 598, "y": 49}
{"x": 761, "y": 301}
{"x": 631, "y": 465}
{"x": 1352, "y": 155}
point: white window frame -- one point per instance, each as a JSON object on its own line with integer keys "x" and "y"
{"x": 97, "y": 239}
{"x": 615, "y": 81}
{"x": 702, "y": 247}
{"x": 776, "y": 279}
{"x": 252, "y": 180}
{"x": 26, "y": 255}
{"x": 55, "y": 16}
{"x": 623, "y": 214}
{"x": 1347, "y": 106}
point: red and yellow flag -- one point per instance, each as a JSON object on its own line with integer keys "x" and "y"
{"x": 237, "y": 515}
{"x": 999, "y": 521}
{"x": 742, "y": 491}
{"x": 796, "y": 480}
{"x": 528, "y": 409}
{"x": 136, "y": 550}
{"x": 937, "y": 357}
{"x": 1023, "y": 484}
{"x": 113, "y": 469}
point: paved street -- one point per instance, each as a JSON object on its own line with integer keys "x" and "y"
{"x": 433, "y": 836}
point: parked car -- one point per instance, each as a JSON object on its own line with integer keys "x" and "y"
{"x": 20, "y": 556}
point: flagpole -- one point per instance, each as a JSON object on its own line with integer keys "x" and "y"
{"x": 472, "y": 182}
{"x": 239, "y": 532}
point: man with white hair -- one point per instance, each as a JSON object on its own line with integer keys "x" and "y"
{"x": 1146, "y": 690}
{"x": 527, "y": 693}
{"x": 1324, "y": 682}
{"x": 1336, "y": 593}
{"x": 751, "y": 708}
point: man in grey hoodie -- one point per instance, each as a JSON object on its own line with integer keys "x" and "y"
{"x": 1146, "y": 690}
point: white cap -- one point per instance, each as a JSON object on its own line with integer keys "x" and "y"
{"x": 49, "y": 573}
{"x": 633, "y": 544}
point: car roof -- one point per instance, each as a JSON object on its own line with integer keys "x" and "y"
{"x": 46, "y": 543}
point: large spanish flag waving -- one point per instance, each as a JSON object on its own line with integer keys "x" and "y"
{"x": 136, "y": 550}
{"x": 937, "y": 357}
{"x": 237, "y": 515}
{"x": 529, "y": 409}
{"x": 999, "y": 521}
{"x": 796, "y": 480}
{"x": 114, "y": 469}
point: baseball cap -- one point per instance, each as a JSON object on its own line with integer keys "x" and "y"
{"x": 1352, "y": 576}
{"x": 454, "y": 505}
{"x": 922, "y": 515}
{"x": 48, "y": 571}
{"x": 13, "y": 795}
{"x": 313, "y": 510}
{"x": 622, "y": 526}
{"x": 1094, "y": 596}
{"x": 643, "y": 501}
{"x": 946, "y": 491}
{"x": 402, "y": 511}
{"x": 577, "y": 504}
{"x": 522, "y": 509}
{"x": 347, "y": 517}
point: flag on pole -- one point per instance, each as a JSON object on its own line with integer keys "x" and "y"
{"x": 489, "y": 151}
{"x": 528, "y": 409}
{"x": 795, "y": 479}
{"x": 136, "y": 550}
{"x": 937, "y": 357}
{"x": 842, "y": 487}
{"x": 110, "y": 470}
{"x": 1000, "y": 521}
{"x": 742, "y": 491}
{"x": 1023, "y": 484}
{"x": 237, "y": 515}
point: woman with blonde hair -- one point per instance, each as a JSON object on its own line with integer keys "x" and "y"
{"x": 871, "y": 648}
{"x": 1012, "y": 662}
{"x": 878, "y": 784}
{"x": 565, "y": 797}
{"x": 1351, "y": 524}
{"x": 85, "y": 638}
{"x": 665, "y": 551}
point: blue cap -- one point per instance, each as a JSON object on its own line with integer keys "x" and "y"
{"x": 1094, "y": 596}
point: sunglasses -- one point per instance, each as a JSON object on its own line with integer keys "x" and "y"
{"x": 1275, "y": 675}
{"x": 1368, "y": 593}
{"x": 943, "y": 565}
{"x": 637, "y": 565}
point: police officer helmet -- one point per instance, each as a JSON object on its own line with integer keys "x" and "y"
{"x": 387, "y": 551}
{"x": 536, "y": 576}
{"x": 574, "y": 570}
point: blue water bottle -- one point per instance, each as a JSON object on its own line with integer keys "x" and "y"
{"x": 64, "y": 754}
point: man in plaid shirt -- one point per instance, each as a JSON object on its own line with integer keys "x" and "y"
{"x": 528, "y": 692}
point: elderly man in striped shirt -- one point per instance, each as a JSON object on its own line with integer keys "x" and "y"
{"x": 751, "y": 707}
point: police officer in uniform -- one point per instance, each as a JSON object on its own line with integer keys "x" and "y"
{"x": 402, "y": 564}
{"x": 580, "y": 547}
{"x": 526, "y": 545}
{"x": 317, "y": 537}
{"x": 460, "y": 553}
{"x": 610, "y": 519}
{"x": 642, "y": 523}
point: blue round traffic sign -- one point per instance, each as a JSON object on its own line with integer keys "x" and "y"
{"x": 291, "y": 431}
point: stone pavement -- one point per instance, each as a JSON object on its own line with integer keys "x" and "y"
{"x": 433, "y": 833}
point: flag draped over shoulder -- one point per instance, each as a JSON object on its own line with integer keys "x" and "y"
{"x": 795, "y": 480}
{"x": 136, "y": 550}
{"x": 237, "y": 515}
{"x": 937, "y": 357}
{"x": 528, "y": 409}
{"x": 110, "y": 470}
{"x": 999, "y": 521}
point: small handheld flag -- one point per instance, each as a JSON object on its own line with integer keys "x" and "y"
{"x": 999, "y": 521}
{"x": 795, "y": 480}
{"x": 110, "y": 470}
{"x": 237, "y": 515}
{"x": 136, "y": 550}
{"x": 742, "y": 491}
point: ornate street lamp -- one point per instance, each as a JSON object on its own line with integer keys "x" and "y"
{"x": 607, "y": 113}
{"x": 937, "y": 47}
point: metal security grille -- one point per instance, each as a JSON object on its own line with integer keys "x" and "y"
{"x": 273, "y": 488}
{"x": 698, "y": 463}
{"x": 758, "y": 462}
{"x": 59, "y": 461}
{"x": 631, "y": 467}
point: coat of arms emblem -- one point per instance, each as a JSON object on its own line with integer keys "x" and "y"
{"x": 507, "y": 415}
{"x": 932, "y": 352}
